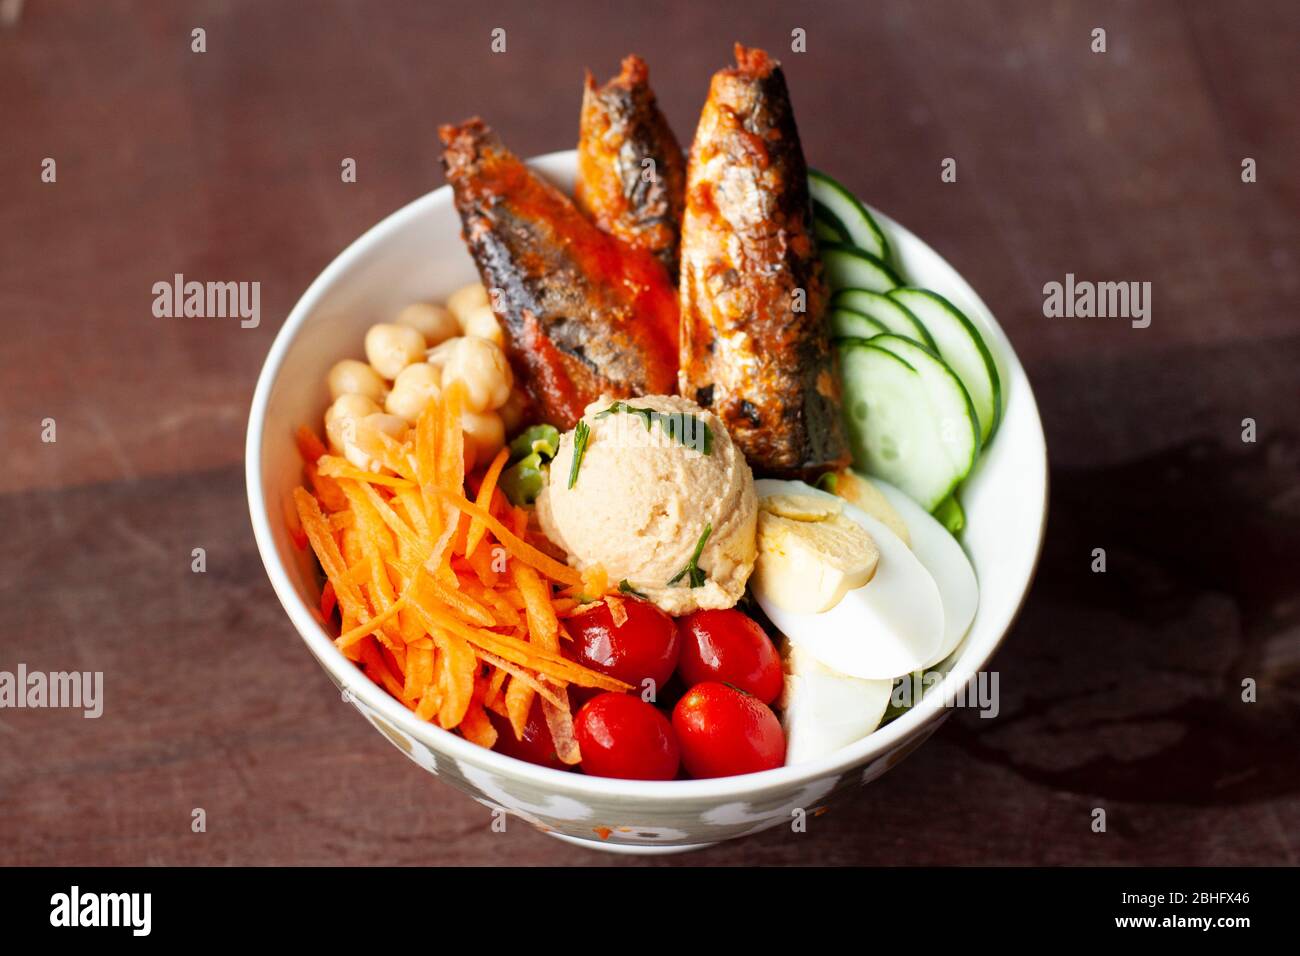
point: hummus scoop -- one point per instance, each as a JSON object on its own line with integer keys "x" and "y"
{"x": 660, "y": 498}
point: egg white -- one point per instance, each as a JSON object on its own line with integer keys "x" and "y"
{"x": 947, "y": 563}
{"x": 889, "y": 627}
{"x": 822, "y": 710}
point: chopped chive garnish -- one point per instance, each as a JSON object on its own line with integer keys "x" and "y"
{"x": 626, "y": 588}
{"x": 688, "y": 430}
{"x": 692, "y": 570}
{"x": 581, "y": 433}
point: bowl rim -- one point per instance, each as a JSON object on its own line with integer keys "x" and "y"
{"x": 442, "y": 742}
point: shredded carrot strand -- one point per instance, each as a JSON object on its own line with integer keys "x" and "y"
{"x": 484, "y": 499}
{"x": 335, "y": 467}
{"x": 327, "y": 553}
{"x": 513, "y": 543}
{"x": 519, "y": 652}
{"x": 348, "y": 638}
{"x": 309, "y": 444}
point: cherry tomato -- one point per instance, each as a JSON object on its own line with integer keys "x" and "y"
{"x": 620, "y": 735}
{"x": 729, "y": 646}
{"x": 723, "y": 732}
{"x": 580, "y": 695}
{"x": 537, "y": 746}
{"x": 646, "y": 646}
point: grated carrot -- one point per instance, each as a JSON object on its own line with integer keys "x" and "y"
{"x": 484, "y": 499}
{"x": 519, "y": 701}
{"x": 493, "y": 689}
{"x": 522, "y": 676}
{"x": 419, "y": 669}
{"x": 326, "y": 488}
{"x": 617, "y": 611}
{"x": 458, "y": 667}
{"x": 476, "y": 727}
{"x": 376, "y": 546}
{"x": 520, "y": 652}
{"x": 483, "y": 562}
{"x": 447, "y": 603}
{"x": 513, "y": 543}
{"x": 395, "y": 524}
{"x": 327, "y": 600}
{"x": 464, "y": 605}
{"x": 327, "y": 553}
{"x": 364, "y": 630}
{"x": 309, "y": 444}
{"x": 334, "y": 467}
{"x": 451, "y": 438}
{"x": 543, "y": 626}
{"x": 377, "y": 669}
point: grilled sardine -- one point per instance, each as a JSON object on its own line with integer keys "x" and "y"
{"x": 755, "y": 346}
{"x": 631, "y": 172}
{"x": 583, "y": 312}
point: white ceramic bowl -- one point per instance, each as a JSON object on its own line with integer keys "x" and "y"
{"x": 417, "y": 254}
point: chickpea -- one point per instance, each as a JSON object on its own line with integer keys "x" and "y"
{"x": 416, "y": 386}
{"x": 461, "y": 302}
{"x": 394, "y": 426}
{"x": 437, "y": 356}
{"x": 342, "y": 417}
{"x": 481, "y": 368}
{"x": 513, "y": 411}
{"x": 485, "y": 435}
{"x": 350, "y": 377}
{"x": 481, "y": 321}
{"x": 390, "y": 348}
{"x": 365, "y": 449}
{"x": 434, "y": 322}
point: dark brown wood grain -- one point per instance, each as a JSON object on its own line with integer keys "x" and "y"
{"x": 1119, "y": 690}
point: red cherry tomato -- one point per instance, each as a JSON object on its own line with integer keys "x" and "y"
{"x": 723, "y": 732}
{"x": 537, "y": 746}
{"x": 580, "y": 695}
{"x": 622, "y": 736}
{"x": 646, "y": 646}
{"x": 729, "y": 646}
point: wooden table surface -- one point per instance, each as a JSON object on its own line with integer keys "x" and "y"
{"x": 1119, "y": 690}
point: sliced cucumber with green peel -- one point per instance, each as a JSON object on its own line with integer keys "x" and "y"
{"x": 893, "y": 432}
{"x": 950, "y": 407}
{"x": 859, "y": 226}
{"x": 848, "y": 267}
{"x": 847, "y": 324}
{"x": 892, "y": 314}
{"x": 825, "y": 232}
{"x": 827, "y": 226}
{"x": 962, "y": 347}
{"x": 950, "y": 515}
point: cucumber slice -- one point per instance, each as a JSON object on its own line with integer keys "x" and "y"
{"x": 962, "y": 347}
{"x": 950, "y": 406}
{"x": 825, "y": 232}
{"x": 848, "y": 267}
{"x": 827, "y": 226}
{"x": 895, "y": 317}
{"x": 892, "y": 431}
{"x": 847, "y": 324}
{"x": 859, "y": 227}
{"x": 950, "y": 515}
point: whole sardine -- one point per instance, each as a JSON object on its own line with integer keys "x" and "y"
{"x": 583, "y": 313}
{"x": 631, "y": 172}
{"x": 755, "y": 346}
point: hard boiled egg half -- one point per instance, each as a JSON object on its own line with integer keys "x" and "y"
{"x": 858, "y": 605}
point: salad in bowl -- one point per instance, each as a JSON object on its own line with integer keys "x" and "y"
{"x": 663, "y": 509}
